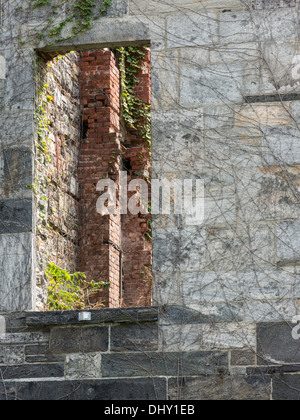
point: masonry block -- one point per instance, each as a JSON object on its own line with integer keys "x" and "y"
{"x": 134, "y": 338}
{"x": 239, "y": 26}
{"x": 163, "y": 364}
{"x": 221, "y": 388}
{"x": 16, "y": 261}
{"x": 209, "y": 85}
{"x": 191, "y": 30}
{"x": 15, "y": 216}
{"x": 286, "y": 387}
{"x": 78, "y": 340}
{"x": 288, "y": 242}
{"x": 276, "y": 345}
{"x": 110, "y": 389}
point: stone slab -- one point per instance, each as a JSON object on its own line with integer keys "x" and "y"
{"x": 275, "y": 344}
{"x": 78, "y": 339}
{"x": 134, "y": 338}
{"x": 221, "y": 388}
{"x": 163, "y": 364}
{"x": 119, "y": 390}
{"x": 16, "y": 262}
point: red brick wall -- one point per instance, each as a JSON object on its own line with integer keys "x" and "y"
{"x": 137, "y": 255}
{"x": 114, "y": 248}
{"x": 100, "y": 238}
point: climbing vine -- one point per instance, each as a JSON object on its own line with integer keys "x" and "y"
{"x": 136, "y": 114}
{"x": 68, "y": 291}
{"x": 82, "y": 14}
{"x": 44, "y": 98}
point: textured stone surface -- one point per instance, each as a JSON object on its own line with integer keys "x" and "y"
{"x": 163, "y": 364}
{"x": 32, "y": 371}
{"x": 221, "y": 388}
{"x": 211, "y": 85}
{"x": 83, "y": 366}
{"x": 16, "y": 261}
{"x": 115, "y": 389}
{"x": 15, "y": 216}
{"x": 288, "y": 242}
{"x": 219, "y": 70}
{"x": 134, "y": 338}
{"x": 76, "y": 340}
{"x": 119, "y": 315}
{"x": 276, "y": 345}
{"x": 191, "y": 30}
{"x": 286, "y": 387}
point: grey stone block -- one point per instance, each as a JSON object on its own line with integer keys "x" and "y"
{"x": 15, "y": 216}
{"x": 202, "y": 314}
{"x": 181, "y": 150}
{"x": 275, "y": 344}
{"x": 237, "y": 27}
{"x": 78, "y": 339}
{"x": 260, "y": 286}
{"x": 15, "y": 173}
{"x": 163, "y": 364}
{"x": 271, "y": 310}
{"x": 281, "y": 146}
{"x": 288, "y": 241}
{"x": 7, "y": 391}
{"x": 243, "y": 357}
{"x": 16, "y": 262}
{"x": 267, "y": 195}
{"x": 134, "y": 338}
{"x": 119, "y": 315}
{"x": 286, "y": 387}
{"x": 273, "y": 4}
{"x": 233, "y": 335}
{"x": 165, "y": 90}
{"x": 117, "y": 389}
{"x": 83, "y": 366}
{"x": 192, "y": 29}
{"x": 27, "y": 338}
{"x": 245, "y": 247}
{"x": 216, "y": 84}
{"x": 32, "y": 371}
{"x": 181, "y": 338}
{"x": 10, "y": 355}
{"x": 179, "y": 248}
{"x": 239, "y": 147}
{"x": 40, "y": 354}
{"x": 221, "y": 388}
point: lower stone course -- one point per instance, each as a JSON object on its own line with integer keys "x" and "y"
{"x": 54, "y": 356}
{"x": 120, "y": 389}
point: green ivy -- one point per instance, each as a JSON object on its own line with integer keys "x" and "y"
{"x": 136, "y": 114}
{"x": 68, "y": 291}
{"x": 83, "y": 13}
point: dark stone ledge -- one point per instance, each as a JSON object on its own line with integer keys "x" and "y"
{"x": 117, "y": 316}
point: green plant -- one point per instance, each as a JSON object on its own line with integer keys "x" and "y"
{"x": 82, "y": 14}
{"x": 136, "y": 114}
{"x": 68, "y": 291}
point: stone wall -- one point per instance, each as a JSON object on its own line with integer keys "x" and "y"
{"x": 225, "y": 99}
{"x": 121, "y": 354}
{"x": 56, "y": 174}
